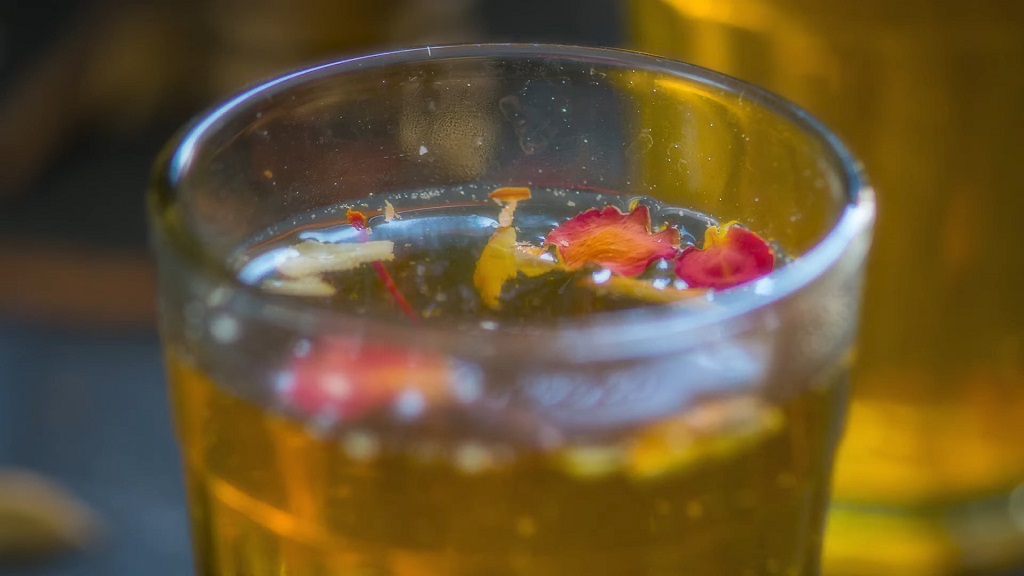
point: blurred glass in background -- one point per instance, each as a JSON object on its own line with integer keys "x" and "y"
{"x": 930, "y": 94}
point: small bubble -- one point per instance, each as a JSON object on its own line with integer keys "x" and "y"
{"x": 410, "y": 404}
{"x": 467, "y": 389}
{"x": 601, "y": 276}
{"x": 472, "y": 458}
{"x": 217, "y": 297}
{"x": 224, "y": 328}
{"x": 360, "y": 446}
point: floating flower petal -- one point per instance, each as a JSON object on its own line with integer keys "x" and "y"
{"x": 312, "y": 257}
{"x": 731, "y": 256}
{"x": 502, "y": 260}
{"x": 620, "y": 242}
{"x": 497, "y": 265}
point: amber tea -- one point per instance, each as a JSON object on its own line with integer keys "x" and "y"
{"x": 930, "y": 473}
{"x": 370, "y": 459}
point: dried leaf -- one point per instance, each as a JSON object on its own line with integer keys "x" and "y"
{"x": 311, "y": 257}
{"x": 620, "y": 242}
{"x": 731, "y": 256}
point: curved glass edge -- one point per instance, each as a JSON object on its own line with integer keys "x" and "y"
{"x": 625, "y": 333}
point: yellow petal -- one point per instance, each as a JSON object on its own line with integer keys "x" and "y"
{"x": 714, "y": 234}
{"x": 497, "y": 264}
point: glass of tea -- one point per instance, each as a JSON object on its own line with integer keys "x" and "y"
{"x": 930, "y": 476}
{"x": 439, "y": 311}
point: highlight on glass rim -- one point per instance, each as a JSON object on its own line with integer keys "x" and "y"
{"x": 429, "y": 312}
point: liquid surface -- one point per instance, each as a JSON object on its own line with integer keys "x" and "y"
{"x": 438, "y": 238}
{"x": 925, "y": 93}
{"x": 360, "y": 459}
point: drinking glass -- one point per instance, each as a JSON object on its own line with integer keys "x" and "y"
{"x": 693, "y": 437}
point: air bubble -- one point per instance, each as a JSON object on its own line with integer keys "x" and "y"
{"x": 361, "y": 446}
{"x": 224, "y": 328}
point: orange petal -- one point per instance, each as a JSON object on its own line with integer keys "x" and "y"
{"x": 731, "y": 256}
{"x": 511, "y": 193}
{"x": 622, "y": 243}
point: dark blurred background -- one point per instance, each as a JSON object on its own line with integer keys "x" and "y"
{"x": 89, "y": 92}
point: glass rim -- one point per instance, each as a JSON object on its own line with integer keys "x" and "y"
{"x": 599, "y": 336}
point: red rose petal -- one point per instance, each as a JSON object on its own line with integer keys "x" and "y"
{"x": 344, "y": 379}
{"x": 622, "y": 243}
{"x": 728, "y": 259}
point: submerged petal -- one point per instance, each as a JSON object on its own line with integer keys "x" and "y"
{"x": 344, "y": 378}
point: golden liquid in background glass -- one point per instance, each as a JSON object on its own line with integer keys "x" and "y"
{"x": 269, "y": 496}
{"x": 930, "y": 95}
